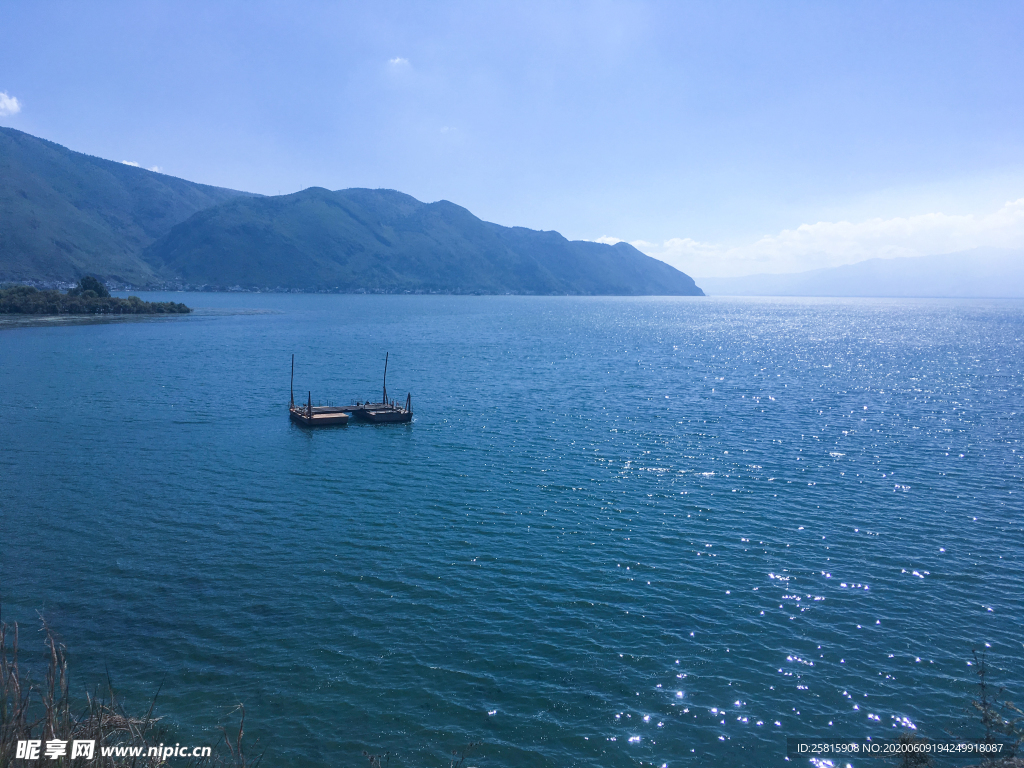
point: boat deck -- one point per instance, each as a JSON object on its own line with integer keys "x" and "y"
{"x": 318, "y": 416}
{"x": 326, "y": 415}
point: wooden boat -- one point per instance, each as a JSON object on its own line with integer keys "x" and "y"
{"x": 385, "y": 412}
{"x": 310, "y": 415}
{"x": 318, "y": 415}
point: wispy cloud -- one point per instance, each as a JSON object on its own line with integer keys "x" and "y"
{"x": 133, "y": 164}
{"x": 398, "y": 61}
{"x": 830, "y": 244}
{"x": 9, "y": 105}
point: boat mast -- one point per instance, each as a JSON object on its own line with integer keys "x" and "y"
{"x": 385, "y": 400}
{"x": 292, "y": 402}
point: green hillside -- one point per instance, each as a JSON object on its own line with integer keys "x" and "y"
{"x": 386, "y": 241}
{"x": 64, "y": 214}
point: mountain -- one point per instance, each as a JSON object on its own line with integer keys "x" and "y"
{"x": 978, "y": 273}
{"x": 64, "y": 214}
{"x": 385, "y": 241}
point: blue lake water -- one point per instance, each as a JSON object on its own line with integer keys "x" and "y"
{"x": 619, "y": 532}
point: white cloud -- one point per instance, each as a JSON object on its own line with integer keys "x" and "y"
{"x": 9, "y": 105}
{"x": 830, "y": 244}
{"x": 398, "y": 61}
{"x": 133, "y": 164}
{"x": 608, "y": 240}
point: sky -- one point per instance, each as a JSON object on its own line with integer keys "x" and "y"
{"x": 726, "y": 138}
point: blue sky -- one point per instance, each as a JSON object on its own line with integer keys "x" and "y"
{"x": 727, "y": 138}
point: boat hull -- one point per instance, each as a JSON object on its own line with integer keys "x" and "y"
{"x": 386, "y": 417}
{"x": 318, "y": 418}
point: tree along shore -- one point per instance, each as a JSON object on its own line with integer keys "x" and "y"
{"x": 89, "y": 297}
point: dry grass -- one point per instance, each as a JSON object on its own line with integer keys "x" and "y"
{"x": 1002, "y": 721}
{"x": 44, "y": 711}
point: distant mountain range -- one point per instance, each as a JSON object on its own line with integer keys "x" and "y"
{"x": 385, "y": 241}
{"x": 64, "y": 215}
{"x": 978, "y": 273}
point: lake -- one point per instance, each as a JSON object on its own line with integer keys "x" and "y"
{"x": 618, "y": 532}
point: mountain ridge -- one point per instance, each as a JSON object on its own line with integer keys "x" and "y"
{"x": 386, "y": 241}
{"x": 976, "y": 273}
{"x": 64, "y": 214}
